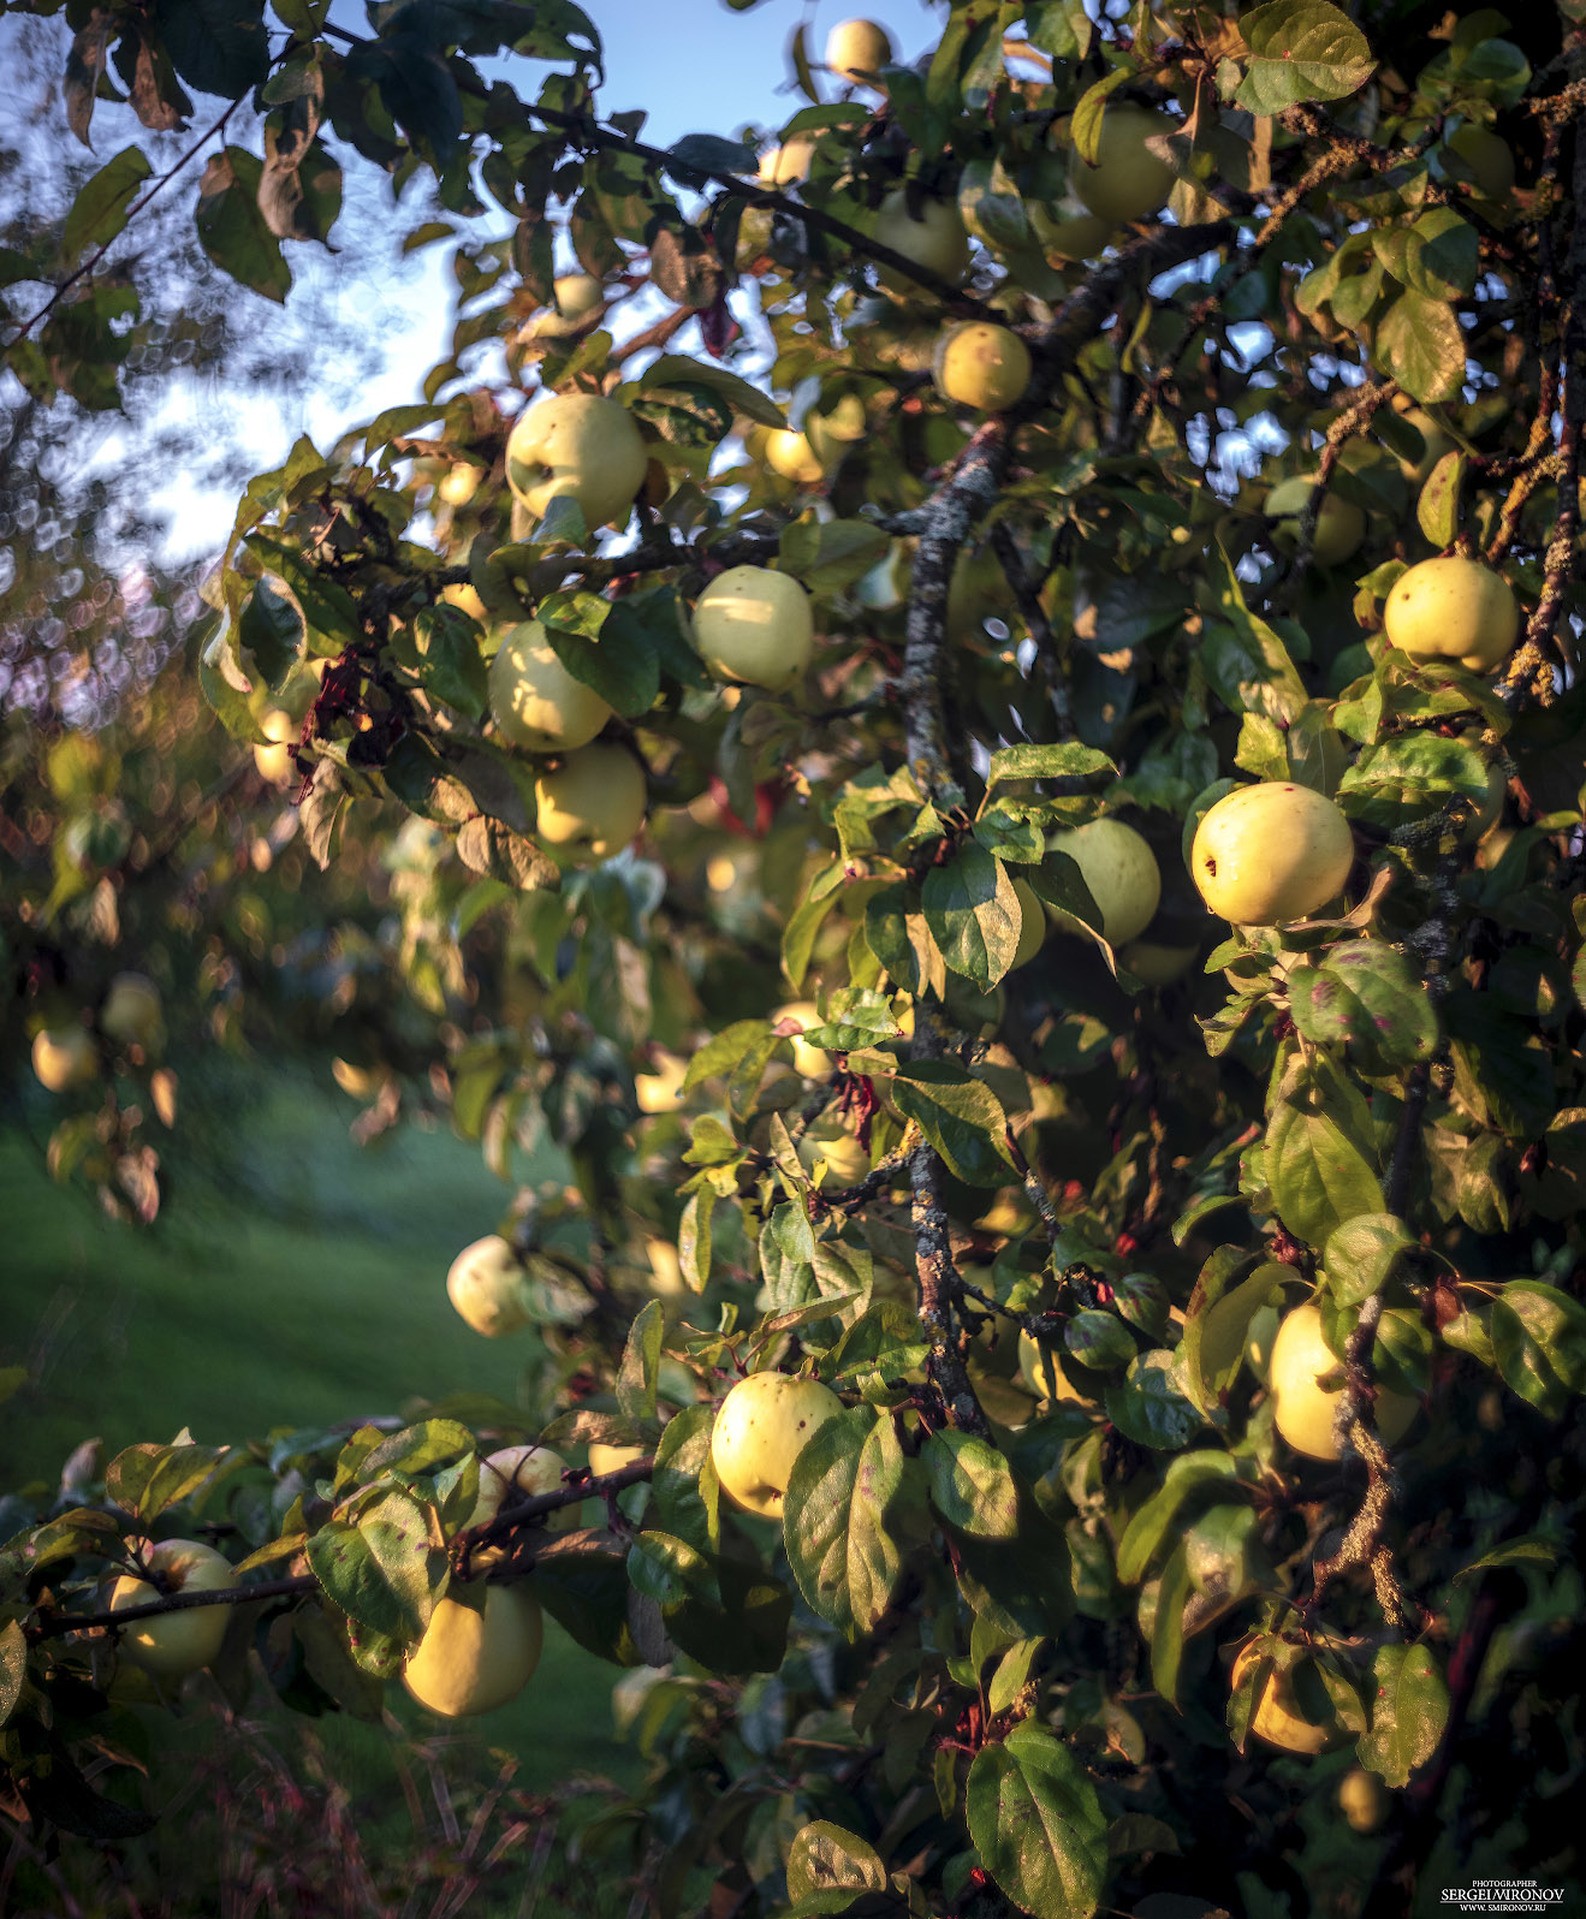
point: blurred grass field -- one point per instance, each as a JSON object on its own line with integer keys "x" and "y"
{"x": 294, "y": 1278}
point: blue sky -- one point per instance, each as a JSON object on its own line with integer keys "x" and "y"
{"x": 693, "y": 65}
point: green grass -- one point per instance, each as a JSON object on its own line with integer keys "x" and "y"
{"x": 293, "y": 1279}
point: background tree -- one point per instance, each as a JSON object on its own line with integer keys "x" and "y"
{"x": 1106, "y": 1425}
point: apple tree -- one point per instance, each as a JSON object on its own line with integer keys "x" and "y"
{"x": 972, "y": 709}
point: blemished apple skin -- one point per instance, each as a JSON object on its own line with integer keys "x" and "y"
{"x": 763, "y": 1425}
{"x": 64, "y": 1058}
{"x": 580, "y": 446}
{"x": 933, "y": 238}
{"x": 1270, "y": 853}
{"x": 755, "y": 626}
{"x": 174, "y": 1644}
{"x": 1277, "y": 1718}
{"x": 981, "y": 366}
{"x": 1128, "y": 180}
{"x": 471, "y": 1662}
{"x": 537, "y": 703}
{"x": 1303, "y": 1411}
{"x": 1453, "y": 609}
{"x": 1121, "y": 871}
{"x": 593, "y": 803}
{"x": 486, "y": 1285}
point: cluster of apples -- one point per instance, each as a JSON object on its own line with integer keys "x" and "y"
{"x": 66, "y": 1056}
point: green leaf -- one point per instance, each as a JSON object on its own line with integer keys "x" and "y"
{"x": 973, "y": 913}
{"x": 1366, "y": 996}
{"x": 828, "y": 555}
{"x": 1437, "y": 508}
{"x": 1150, "y": 1407}
{"x": 487, "y": 846}
{"x": 446, "y": 647}
{"x": 147, "y": 1479}
{"x": 271, "y": 630}
{"x": 1099, "y": 1340}
{"x": 1319, "y": 1176}
{"x": 641, "y": 1359}
{"x": 1438, "y": 254}
{"x": 1245, "y": 661}
{"x": 13, "y": 1667}
{"x": 829, "y": 1868}
{"x": 605, "y": 647}
{"x": 1539, "y": 1342}
{"x": 217, "y": 46}
{"x": 1361, "y": 1256}
{"x": 1085, "y": 131}
{"x": 684, "y": 1490}
{"x": 1409, "y": 1715}
{"x": 387, "y": 1571}
{"x": 1037, "y": 1824}
{"x": 961, "y": 1117}
{"x": 99, "y": 212}
{"x": 972, "y": 1486}
{"x": 1407, "y": 777}
{"x": 1065, "y": 761}
{"x": 232, "y": 230}
{"x": 676, "y": 369}
{"x": 1420, "y": 343}
{"x": 1187, "y": 1478}
{"x": 838, "y": 1519}
{"x": 1301, "y": 50}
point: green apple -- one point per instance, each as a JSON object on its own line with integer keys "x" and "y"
{"x": 857, "y": 50}
{"x": 789, "y": 164}
{"x": 981, "y": 366}
{"x": 754, "y": 625}
{"x": 577, "y": 446}
{"x": 593, "y": 803}
{"x": 1435, "y": 440}
{"x": 171, "y": 1645}
{"x": 489, "y": 1287}
{"x": 577, "y": 297}
{"x": 1362, "y": 1797}
{"x": 661, "y": 1090}
{"x": 1340, "y": 524}
{"x": 810, "y": 1062}
{"x": 932, "y": 236}
{"x": 514, "y": 1474}
{"x": 64, "y": 1058}
{"x": 1156, "y": 962}
{"x": 791, "y": 455}
{"x": 478, "y": 1651}
{"x": 1303, "y": 1410}
{"x": 826, "y": 1145}
{"x": 277, "y": 762}
{"x": 1270, "y": 853}
{"x": 1068, "y": 231}
{"x": 1132, "y": 175}
{"x": 1453, "y": 609}
{"x": 537, "y": 703}
{"x": 1279, "y": 1718}
{"x": 763, "y": 1425}
{"x": 1121, "y": 871}
{"x": 131, "y": 1014}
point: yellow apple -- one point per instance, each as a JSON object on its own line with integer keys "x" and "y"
{"x": 1272, "y": 852}
{"x": 810, "y": 1062}
{"x": 477, "y": 1651}
{"x": 593, "y": 803}
{"x": 1067, "y": 231}
{"x": 605, "y": 1459}
{"x": 789, "y": 164}
{"x": 1131, "y": 177}
{"x": 173, "y": 1644}
{"x": 577, "y": 296}
{"x": 1032, "y": 924}
{"x": 460, "y": 594}
{"x": 666, "y": 1270}
{"x": 536, "y": 702}
{"x": 460, "y": 484}
{"x": 933, "y": 237}
{"x": 516, "y": 1473}
{"x": 1363, "y": 1799}
{"x": 754, "y": 625}
{"x": 488, "y": 1286}
{"x": 131, "y": 1014}
{"x": 1279, "y": 1718}
{"x": 64, "y": 1058}
{"x": 857, "y": 50}
{"x": 1303, "y": 1410}
{"x": 1489, "y": 159}
{"x": 1340, "y": 524}
{"x": 1435, "y": 440}
{"x": 1453, "y": 609}
{"x": 981, "y": 366}
{"x": 661, "y": 1091}
{"x": 1157, "y": 963}
{"x": 825, "y": 1144}
{"x": 1045, "y": 1378}
{"x": 1121, "y": 871}
{"x": 763, "y": 1425}
{"x": 577, "y": 446}
{"x": 791, "y": 455}
{"x": 277, "y": 762}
